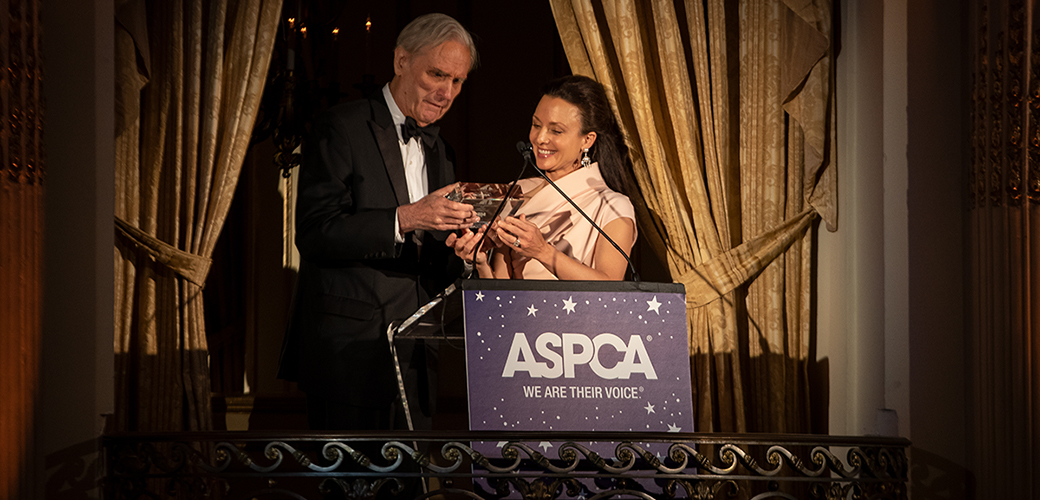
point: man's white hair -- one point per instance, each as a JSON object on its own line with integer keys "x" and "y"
{"x": 431, "y": 30}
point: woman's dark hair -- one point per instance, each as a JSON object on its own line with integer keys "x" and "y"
{"x": 610, "y": 149}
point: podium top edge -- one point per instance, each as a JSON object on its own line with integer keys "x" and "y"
{"x": 577, "y": 286}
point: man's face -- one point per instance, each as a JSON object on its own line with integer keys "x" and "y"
{"x": 426, "y": 83}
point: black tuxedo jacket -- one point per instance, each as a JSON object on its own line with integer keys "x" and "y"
{"x": 354, "y": 279}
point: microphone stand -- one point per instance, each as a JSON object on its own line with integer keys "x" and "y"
{"x": 520, "y": 146}
{"x": 526, "y": 151}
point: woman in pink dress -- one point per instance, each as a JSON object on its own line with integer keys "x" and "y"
{"x": 577, "y": 143}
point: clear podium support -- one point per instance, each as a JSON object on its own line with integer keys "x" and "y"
{"x": 438, "y": 319}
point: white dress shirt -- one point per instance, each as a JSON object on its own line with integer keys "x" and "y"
{"x": 414, "y": 163}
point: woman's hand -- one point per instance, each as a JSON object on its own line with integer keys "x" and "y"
{"x": 492, "y": 234}
{"x": 527, "y": 242}
{"x": 465, "y": 244}
{"x": 522, "y": 237}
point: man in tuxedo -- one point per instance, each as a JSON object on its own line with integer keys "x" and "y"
{"x": 371, "y": 220}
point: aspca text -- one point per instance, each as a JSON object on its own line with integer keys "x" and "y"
{"x": 560, "y": 355}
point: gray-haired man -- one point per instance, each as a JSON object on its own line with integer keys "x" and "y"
{"x": 371, "y": 222}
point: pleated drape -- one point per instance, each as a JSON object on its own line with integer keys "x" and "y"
{"x": 21, "y": 241}
{"x": 1004, "y": 353}
{"x": 189, "y": 75}
{"x": 729, "y": 111}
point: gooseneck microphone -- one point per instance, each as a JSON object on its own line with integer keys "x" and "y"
{"x": 509, "y": 191}
{"x": 527, "y": 150}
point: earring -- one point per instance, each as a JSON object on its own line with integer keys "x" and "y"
{"x": 585, "y": 160}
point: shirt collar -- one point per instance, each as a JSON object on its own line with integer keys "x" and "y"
{"x": 395, "y": 112}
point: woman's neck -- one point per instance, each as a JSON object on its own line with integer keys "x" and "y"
{"x": 559, "y": 174}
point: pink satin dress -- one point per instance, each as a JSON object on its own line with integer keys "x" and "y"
{"x": 561, "y": 225}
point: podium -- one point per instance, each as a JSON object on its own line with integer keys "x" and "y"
{"x": 546, "y": 343}
{"x": 441, "y": 317}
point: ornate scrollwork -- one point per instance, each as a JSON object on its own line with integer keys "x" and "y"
{"x": 742, "y": 467}
{"x": 1032, "y": 188}
{"x": 22, "y": 108}
{"x": 1006, "y": 110}
{"x": 359, "y": 488}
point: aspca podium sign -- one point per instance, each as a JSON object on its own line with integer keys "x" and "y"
{"x": 577, "y": 356}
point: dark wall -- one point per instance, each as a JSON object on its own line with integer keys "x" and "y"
{"x": 938, "y": 157}
{"x": 519, "y": 50}
{"x": 77, "y": 366}
{"x": 248, "y": 292}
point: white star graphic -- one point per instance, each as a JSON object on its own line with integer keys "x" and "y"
{"x": 673, "y": 428}
{"x": 649, "y": 408}
{"x": 531, "y": 311}
{"x": 545, "y": 445}
{"x": 568, "y": 305}
{"x": 654, "y": 305}
{"x": 480, "y": 296}
{"x": 502, "y": 443}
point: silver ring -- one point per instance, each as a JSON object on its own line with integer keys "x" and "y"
{"x": 517, "y": 242}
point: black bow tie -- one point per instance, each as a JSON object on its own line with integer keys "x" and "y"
{"x": 411, "y": 129}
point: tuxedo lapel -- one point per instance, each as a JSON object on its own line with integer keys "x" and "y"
{"x": 383, "y": 130}
{"x": 434, "y": 167}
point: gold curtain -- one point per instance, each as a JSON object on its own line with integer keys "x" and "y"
{"x": 189, "y": 77}
{"x": 21, "y": 240}
{"x": 729, "y": 110}
{"x": 1005, "y": 250}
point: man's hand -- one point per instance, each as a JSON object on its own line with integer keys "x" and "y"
{"x": 434, "y": 212}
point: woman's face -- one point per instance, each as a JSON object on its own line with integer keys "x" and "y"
{"x": 556, "y": 137}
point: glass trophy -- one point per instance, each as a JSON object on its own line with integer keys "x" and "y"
{"x": 486, "y": 199}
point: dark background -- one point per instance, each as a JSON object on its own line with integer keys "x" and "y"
{"x": 249, "y": 289}
{"x": 519, "y": 50}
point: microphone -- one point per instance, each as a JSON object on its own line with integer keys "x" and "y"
{"x": 526, "y": 149}
{"x": 520, "y": 146}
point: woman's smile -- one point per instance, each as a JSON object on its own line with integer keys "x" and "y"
{"x": 557, "y": 138}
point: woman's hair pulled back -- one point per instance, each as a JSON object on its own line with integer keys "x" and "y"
{"x": 610, "y": 149}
